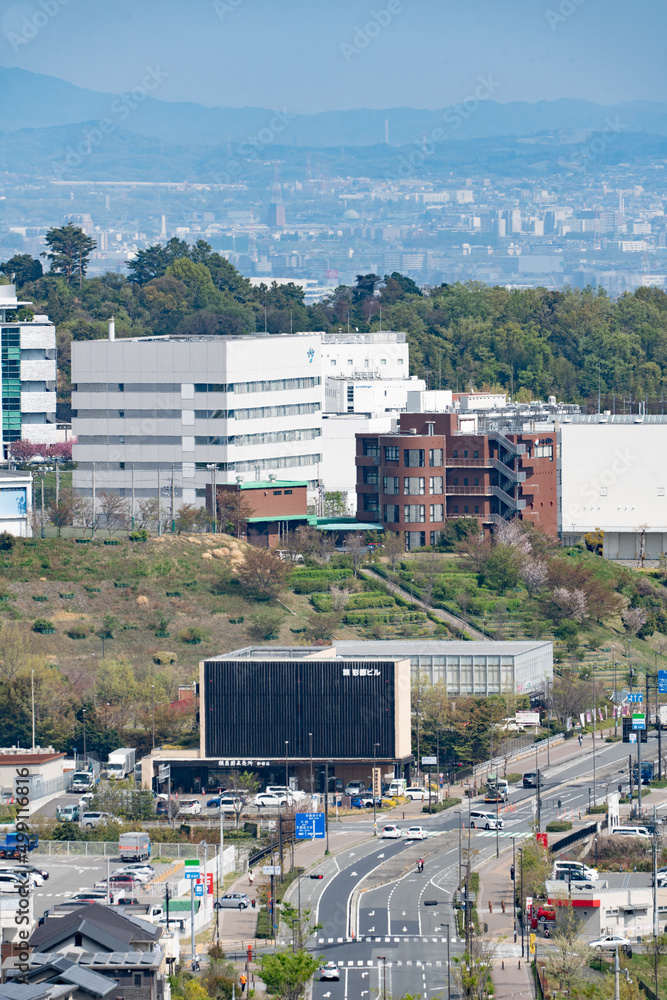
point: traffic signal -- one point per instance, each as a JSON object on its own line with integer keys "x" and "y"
{"x": 512, "y": 872}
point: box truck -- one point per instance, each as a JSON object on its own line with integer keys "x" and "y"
{"x": 134, "y": 846}
{"x": 121, "y": 762}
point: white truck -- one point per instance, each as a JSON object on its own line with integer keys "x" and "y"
{"x": 134, "y": 846}
{"x": 121, "y": 762}
{"x": 661, "y": 718}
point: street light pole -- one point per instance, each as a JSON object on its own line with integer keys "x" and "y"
{"x": 32, "y": 699}
{"x": 83, "y": 712}
{"x": 375, "y": 825}
{"x": 286, "y": 767}
{"x": 312, "y": 782}
{"x": 153, "y": 711}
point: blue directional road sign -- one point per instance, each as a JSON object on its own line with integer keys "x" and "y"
{"x": 635, "y": 696}
{"x": 307, "y": 825}
{"x": 662, "y": 681}
{"x": 199, "y": 890}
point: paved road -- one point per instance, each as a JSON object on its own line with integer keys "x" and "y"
{"x": 398, "y": 936}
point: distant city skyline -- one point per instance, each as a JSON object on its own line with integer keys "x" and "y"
{"x": 305, "y": 57}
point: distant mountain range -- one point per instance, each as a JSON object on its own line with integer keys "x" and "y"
{"x": 50, "y": 128}
{"x": 35, "y": 101}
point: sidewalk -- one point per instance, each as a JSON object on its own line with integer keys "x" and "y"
{"x": 511, "y": 975}
{"x": 238, "y": 928}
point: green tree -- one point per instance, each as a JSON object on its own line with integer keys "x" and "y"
{"x": 287, "y": 973}
{"x": 24, "y": 268}
{"x": 69, "y": 251}
{"x": 503, "y": 568}
{"x": 154, "y": 260}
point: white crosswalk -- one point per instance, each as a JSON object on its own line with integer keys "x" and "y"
{"x": 389, "y": 939}
{"x": 371, "y": 964}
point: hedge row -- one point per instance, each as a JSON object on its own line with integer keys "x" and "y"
{"x": 330, "y": 574}
{"x": 361, "y": 618}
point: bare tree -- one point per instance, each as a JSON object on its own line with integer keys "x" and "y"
{"x": 356, "y": 549}
{"x": 394, "y": 547}
{"x": 233, "y": 511}
{"x": 114, "y": 510}
{"x": 261, "y": 572}
{"x": 429, "y": 569}
{"x": 66, "y": 510}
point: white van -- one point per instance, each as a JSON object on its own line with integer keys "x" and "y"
{"x": 629, "y": 831}
{"x": 567, "y": 871}
{"x": 480, "y": 820}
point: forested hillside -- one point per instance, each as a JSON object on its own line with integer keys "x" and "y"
{"x": 534, "y": 343}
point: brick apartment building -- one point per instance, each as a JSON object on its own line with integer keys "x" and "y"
{"x": 410, "y": 481}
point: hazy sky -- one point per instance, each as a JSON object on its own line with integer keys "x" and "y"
{"x": 318, "y": 55}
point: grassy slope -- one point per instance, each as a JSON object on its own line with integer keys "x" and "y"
{"x": 50, "y": 567}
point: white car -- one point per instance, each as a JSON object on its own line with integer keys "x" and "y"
{"x": 265, "y": 800}
{"x": 328, "y": 971}
{"x": 136, "y": 873}
{"x": 11, "y": 882}
{"x": 391, "y": 832}
{"x": 34, "y": 876}
{"x": 416, "y": 833}
{"x": 85, "y": 800}
{"x": 137, "y": 868}
{"x": 189, "y": 807}
{"x": 610, "y": 941}
{"x": 415, "y": 793}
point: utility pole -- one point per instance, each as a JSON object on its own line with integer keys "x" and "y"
{"x": 173, "y": 503}
{"x": 159, "y": 507}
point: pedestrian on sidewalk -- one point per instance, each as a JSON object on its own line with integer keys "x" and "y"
{"x": 251, "y": 877}
{"x": 243, "y": 979}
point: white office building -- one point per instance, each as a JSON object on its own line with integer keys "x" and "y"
{"x": 28, "y": 374}
{"x": 614, "y": 479}
{"x": 466, "y": 668}
{"x": 148, "y": 409}
{"x": 366, "y": 385}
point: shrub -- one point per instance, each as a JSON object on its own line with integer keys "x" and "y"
{"x": 6, "y": 541}
{"x": 437, "y": 807}
{"x": 77, "y": 632}
{"x": 138, "y": 536}
{"x": 193, "y": 636}
{"x": 44, "y": 626}
{"x": 601, "y": 807}
{"x": 558, "y": 826}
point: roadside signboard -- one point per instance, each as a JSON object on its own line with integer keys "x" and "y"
{"x": 307, "y": 825}
{"x": 429, "y": 761}
{"x": 638, "y": 721}
{"x": 271, "y": 870}
{"x": 635, "y": 696}
{"x": 199, "y": 890}
{"x": 662, "y": 681}
{"x": 527, "y": 718}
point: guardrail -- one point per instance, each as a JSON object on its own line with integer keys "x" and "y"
{"x": 489, "y": 765}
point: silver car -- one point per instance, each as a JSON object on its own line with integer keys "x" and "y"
{"x": 232, "y": 901}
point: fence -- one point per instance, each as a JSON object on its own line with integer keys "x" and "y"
{"x": 109, "y": 848}
{"x": 572, "y": 838}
